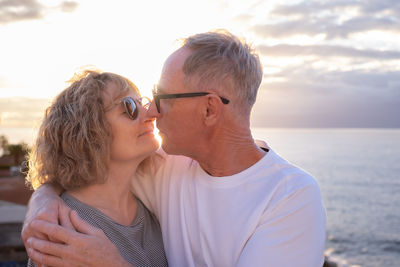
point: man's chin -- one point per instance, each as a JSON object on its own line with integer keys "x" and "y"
{"x": 165, "y": 147}
{"x": 169, "y": 149}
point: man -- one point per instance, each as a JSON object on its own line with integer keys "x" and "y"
{"x": 225, "y": 201}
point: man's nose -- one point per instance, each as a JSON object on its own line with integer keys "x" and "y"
{"x": 152, "y": 111}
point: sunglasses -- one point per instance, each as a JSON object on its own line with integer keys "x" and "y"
{"x": 131, "y": 105}
{"x": 157, "y": 97}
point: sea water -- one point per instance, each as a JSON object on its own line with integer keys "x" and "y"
{"x": 358, "y": 171}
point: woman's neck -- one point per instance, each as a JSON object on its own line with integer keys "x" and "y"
{"x": 114, "y": 197}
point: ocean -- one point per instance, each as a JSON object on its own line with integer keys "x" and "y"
{"x": 358, "y": 171}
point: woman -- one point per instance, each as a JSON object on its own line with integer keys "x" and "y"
{"x": 92, "y": 140}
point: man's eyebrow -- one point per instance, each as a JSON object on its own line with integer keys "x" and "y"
{"x": 159, "y": 90}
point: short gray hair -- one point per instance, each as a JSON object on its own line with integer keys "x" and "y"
{"x": 220, "y": 58}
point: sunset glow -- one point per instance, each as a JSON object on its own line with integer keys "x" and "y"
{"x": 334, "y": 53}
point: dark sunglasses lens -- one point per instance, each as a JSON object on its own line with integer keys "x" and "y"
{"x": 130, "y": 108}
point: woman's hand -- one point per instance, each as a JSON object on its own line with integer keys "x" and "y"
{"x": 88, "y": 246}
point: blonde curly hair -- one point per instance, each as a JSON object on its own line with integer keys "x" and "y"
{"x": 73, "y": 143}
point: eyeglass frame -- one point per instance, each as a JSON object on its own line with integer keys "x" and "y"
{"x": 157, "y": 97}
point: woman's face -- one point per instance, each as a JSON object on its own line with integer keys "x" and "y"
{"x": 131, "y": 139}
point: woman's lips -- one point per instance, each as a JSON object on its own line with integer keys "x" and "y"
{"x": 148, "y": 132}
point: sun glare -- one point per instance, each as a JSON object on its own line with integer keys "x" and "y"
{"x": 157, "y": 136}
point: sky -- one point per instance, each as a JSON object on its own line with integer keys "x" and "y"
{"x": 332, "y": 63}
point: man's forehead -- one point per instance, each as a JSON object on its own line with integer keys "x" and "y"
{"x": 159, "y": 89}
{"x": 178, "y": 57}
{"x": 172, "y": 76}
{"x": 175, "y": 61}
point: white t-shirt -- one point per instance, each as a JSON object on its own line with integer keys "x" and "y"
{"x": 270, "y": 214}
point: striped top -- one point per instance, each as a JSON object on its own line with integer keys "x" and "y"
{"x": 139, "y": 243}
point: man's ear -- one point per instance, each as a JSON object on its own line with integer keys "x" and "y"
{"x": 213, "y": 109}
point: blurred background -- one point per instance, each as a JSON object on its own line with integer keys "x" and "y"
{"x": 329, "y": 100}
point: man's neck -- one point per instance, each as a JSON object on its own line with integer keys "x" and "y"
{"x": 229, "y": 153}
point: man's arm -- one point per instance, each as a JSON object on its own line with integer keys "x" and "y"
{"x": 88, "y": 246}
{"x": 291, "y": 233}
{"x": 45, "y": 204}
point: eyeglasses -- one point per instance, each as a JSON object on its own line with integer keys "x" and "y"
{"x": 157, "y": 97}
{"x": 131, "y": 105}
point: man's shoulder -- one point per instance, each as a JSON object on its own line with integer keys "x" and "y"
{"x": 290, "y": 185}
{"x": 286, "y": 174}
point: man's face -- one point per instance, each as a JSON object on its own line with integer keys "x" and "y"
{"x": 177, "y": 122}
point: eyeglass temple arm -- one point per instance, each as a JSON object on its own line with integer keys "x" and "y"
{"x": 183, "y": 95}
{"x": 167, "y": 96}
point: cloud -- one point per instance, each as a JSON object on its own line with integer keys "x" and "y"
{"x": 289, "y": 28}
{"x": 311, "y": 7}
{"x": 243, "y": 18}
{"x": 328, "y": 26}
{"x": 20, "y": 10}
{"x": 331, "y": 82}
{"x": 16, "y": 10}
{"x": 374, "y": 6}
{"x": 317, "y": 6}
{"x": 285, "y": 50}
{"x": 289, "y": 107}
{"x": 16, "y": 112}
{"x": 326, "y": 17}
{"x": 279, "y": 109}
{"x": 363, "y": 24}
{"x": 377, "y": 82}
{"x": 68, "y": 6}
{"x": 306, "y": 78}
{"x": 312, "y": 97}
